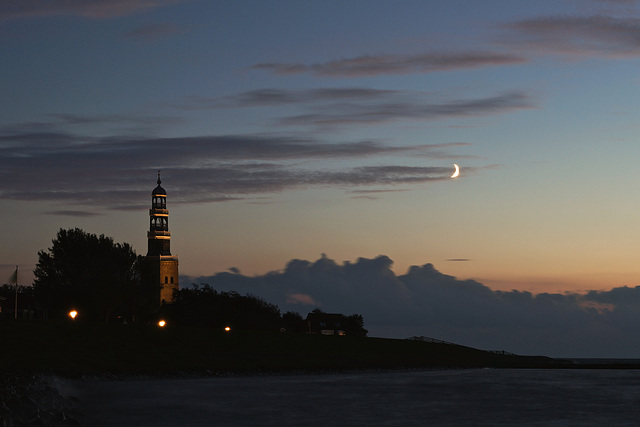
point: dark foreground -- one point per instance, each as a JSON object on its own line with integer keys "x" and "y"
{"x": 78, "y": 350}
{"x": 34, "y": 352}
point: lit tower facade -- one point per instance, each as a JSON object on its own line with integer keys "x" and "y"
{"x": 160, "y": 271}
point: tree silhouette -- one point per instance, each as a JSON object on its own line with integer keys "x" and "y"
{"x": 293, "y": 322}
{"x": 204, "y": 306}
{"x": 90, "y": 273}
{"x": 354, "y": 325}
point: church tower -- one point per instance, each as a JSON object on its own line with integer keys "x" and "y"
{"x": 160, "y": 271}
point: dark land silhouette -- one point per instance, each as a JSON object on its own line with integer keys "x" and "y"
{"x": 113, "y": 334}
{"x": 77, "y": 349}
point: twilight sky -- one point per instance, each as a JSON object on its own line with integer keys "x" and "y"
{"x": 285, "y": 130}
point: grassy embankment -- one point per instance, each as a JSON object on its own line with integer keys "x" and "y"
{"x": 75, "y": 349}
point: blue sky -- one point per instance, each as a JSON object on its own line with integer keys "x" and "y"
{"x": 286, "y": 130}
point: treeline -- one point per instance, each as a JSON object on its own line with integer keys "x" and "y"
{"x": 203, "y": 306}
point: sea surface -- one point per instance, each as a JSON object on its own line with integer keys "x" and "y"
{"x": 469, "y": 397}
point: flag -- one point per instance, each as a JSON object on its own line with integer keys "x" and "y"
{"x": 13, "y": 280}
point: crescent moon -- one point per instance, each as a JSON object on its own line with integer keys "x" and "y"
{"x": 457, "y": 172}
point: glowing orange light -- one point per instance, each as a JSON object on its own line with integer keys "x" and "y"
{"x": 227, "y": 329}
{"x": 73, "y": 314}
{"x": 162, "y": 323}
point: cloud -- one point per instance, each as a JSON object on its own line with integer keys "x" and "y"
{"x": 600, "y": 35}
{"x": 426, "y": 302}
{"x": 94, "y": 9}
{"x": 359, "y": 106}
{"x": 382, "y": 112}
{"x": 102, "y": 124}
{"x": 374, "y": 194}
{"x": 275, "y": 97}
{"x": 47, "y": 162}
{"x": 72, "y": 213}
{"x": 375, "y": 65}
{"x": 300, "y": 299}
{"x": 101, "y": 160}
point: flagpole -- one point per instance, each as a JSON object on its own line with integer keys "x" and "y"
{"x": 16, "y": 308}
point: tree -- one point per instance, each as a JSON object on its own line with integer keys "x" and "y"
{"x": 90, "y": 273}
{"x": 293, "y": 322}
{"x": 354, "y": 325}
{"x": 204, "y": 306}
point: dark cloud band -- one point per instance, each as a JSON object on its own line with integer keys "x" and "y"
{"x": 57, "y": 165}
{"x": 374, "y": 65}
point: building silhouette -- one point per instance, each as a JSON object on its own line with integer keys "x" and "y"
{"x": 160, "y": 268}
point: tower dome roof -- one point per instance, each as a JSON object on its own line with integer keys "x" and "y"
{"x": 159, "y": 190}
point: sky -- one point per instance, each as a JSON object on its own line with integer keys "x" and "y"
{"x": 324, "y": 133}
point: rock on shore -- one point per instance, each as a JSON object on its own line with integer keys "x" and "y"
{"x": 34, "y": 400}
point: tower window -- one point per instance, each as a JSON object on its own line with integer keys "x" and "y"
{"x": 166, "y": 279}
{"x": 172, "y": 280}
{"x": 158, "y": 202}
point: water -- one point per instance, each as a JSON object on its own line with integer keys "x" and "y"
{"x": 479, "y": 397}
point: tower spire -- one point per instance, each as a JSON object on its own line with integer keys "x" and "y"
{"x": 159, "y": 237}
{"x": 161, "y": 268}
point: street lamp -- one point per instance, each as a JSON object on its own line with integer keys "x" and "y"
{"x": 73, "y": 314}
{"x": 161, "y": 323}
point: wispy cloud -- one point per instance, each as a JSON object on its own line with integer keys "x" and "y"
{"x": 374, "y": 194}
{"x": 94, "y": 9}
{"x": 409, "y": 109}
{"x": 300, "y": 299}
{"x": 577, "y": 35}
{"x": 270, "y": 97}
{"x": 48, "y": 162}
{"x": 102, "y": 159}
{"x": 72, "y": 213}
{"x": 375, "y": 65}
{"x": 358, "y": 106}
{"x": 106, "y": 124}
